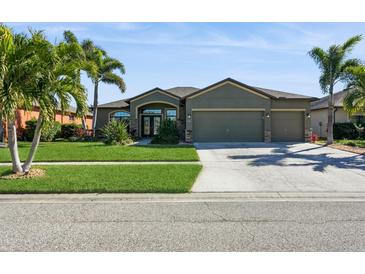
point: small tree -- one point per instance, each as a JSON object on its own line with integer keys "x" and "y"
{"x": 116, "y": 132}
{"x": 333, "y": 64}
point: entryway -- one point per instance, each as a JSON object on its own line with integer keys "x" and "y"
{"x": 150, "y": 125}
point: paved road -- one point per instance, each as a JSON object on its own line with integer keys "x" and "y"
{"x": 162, "y": 225}
{"x": 278, "y": 167}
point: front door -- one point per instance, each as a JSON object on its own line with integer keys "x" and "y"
{"x": 150, "y": 125}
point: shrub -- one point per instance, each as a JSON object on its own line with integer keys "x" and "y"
{"x": 345, "y": 131}
{"x": 167, "y": 133}
{"x": 49, "y": 130}
{"x": 71, "y": 130}
{"x": 350, "y": 143}
{"x": 115, "y": 132}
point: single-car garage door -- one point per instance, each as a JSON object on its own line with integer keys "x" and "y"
{"x": 287, "y": 126}
{"x": 228, "y": 126}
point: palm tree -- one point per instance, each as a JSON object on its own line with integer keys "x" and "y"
{"x": 32, "y": 70}
{"x": 57, "y": 81}
{"x": 333, "y": 64}
{"x": 105, "y": 72}
{"x": 354, "y": 102}
{"x": 16, "y": 72}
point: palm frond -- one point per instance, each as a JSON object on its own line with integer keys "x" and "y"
{"x": 112, "y": 78}
{"x": 351, "y": 42}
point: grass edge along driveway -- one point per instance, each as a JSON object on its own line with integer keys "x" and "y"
{"x": 97, "y": 151}
{"x": 106, "y": 179}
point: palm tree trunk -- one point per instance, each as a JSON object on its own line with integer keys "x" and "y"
{"x": 95, "y": 107}
{"x": 13, "y": 147}
{"x": 37, "y": 136}
{"x": 330, "y": 116}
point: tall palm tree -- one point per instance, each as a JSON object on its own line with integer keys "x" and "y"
{"x": 16, "y": 73}
{"x": 32, "y": 70}
{"x": 57, "y": 82}
{"x": 333, "y": 64}
{"x": 354, "y": 101}
{"x": 105, "y": 72}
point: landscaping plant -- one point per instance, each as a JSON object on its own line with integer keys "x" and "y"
{"x": 49, "y": 131}
{"x": 34, "y": 70}
{"x": 334, "y": 66}
{"x": 167, "y": 133}
{"x": 116, "y": 132}
{"x": 105, "y": 72}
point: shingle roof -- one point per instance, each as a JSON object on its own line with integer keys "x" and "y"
{"x": 323, "y": 102}
{"x": 182, "y": 91}
{"x": 115, "y": 104}
{"x": 274, "y": 94}
{"x": 283, "y": 94}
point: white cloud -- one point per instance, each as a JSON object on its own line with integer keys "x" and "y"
{"x": 125, "y": 26}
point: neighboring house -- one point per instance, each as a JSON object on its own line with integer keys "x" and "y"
{"x": 66, "y": 117}
{"x": 319, "y": 114}
{"x": 227, "y": 111}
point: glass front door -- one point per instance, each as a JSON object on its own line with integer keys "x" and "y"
{"x": 150, "y": 125}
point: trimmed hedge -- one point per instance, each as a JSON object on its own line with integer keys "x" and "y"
{"x": 71, "y": 130}
{"x": 346, "y": 131}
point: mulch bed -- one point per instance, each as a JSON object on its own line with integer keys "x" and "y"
{"x": 352, "y": 149}
{"x": 34, "y": 172}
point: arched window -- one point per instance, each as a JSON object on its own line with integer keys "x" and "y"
{"x": 120, "y": 116}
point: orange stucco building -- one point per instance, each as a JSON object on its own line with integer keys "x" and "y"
{"x": 67, "y": 117}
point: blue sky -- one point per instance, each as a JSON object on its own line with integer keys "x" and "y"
{"x": 269, "y": 55}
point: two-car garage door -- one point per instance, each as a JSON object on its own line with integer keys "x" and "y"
{"x": 247, "y": 126}
{"x": 228, "y": 126}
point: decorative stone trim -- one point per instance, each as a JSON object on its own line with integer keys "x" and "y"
{"x": 188, "y": 136}
{"x": 307, "y": 135}
{"x": 267, "y": 136}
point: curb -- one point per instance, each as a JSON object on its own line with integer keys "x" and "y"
{"x": 183, "y": 198}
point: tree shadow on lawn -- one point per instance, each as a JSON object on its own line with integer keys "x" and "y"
{"x": 319, "y": 161}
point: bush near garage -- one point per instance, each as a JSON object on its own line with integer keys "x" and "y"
{"x": 346, "y": 131}
{"x": 167, "y": 133}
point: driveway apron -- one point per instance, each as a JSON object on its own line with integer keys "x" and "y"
{"x": 246, "y": 167}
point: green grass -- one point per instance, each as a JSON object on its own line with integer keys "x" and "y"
{"x": 353, "y": 143}
{"x": 104, "y": 179}
{"x": 96, "y": 151}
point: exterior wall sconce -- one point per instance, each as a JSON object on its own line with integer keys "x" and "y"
{"x": 308, "y": 115}
{"x": 267, "y": 115}
{"x": 189, "y": 116}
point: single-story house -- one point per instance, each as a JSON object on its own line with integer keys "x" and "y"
{"x": 226, "y": 111}
{"x": 66, "y": 117}
{"x": 319, "y": 114}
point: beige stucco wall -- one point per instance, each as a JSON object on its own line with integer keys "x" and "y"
{"x": 103, "y": 116}
{"x": 321, "y": 116}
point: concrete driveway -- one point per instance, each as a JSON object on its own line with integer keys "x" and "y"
{"x": 241, "y": 167}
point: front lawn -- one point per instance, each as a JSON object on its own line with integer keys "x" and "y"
{"x": 106, "y": 179}
{"x": 96, "y": 151}
{"x": 353, "y": 143}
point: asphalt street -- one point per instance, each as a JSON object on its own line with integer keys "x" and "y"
{"x": 187, "y": 225}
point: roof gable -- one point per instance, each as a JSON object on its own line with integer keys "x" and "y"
{"x": 232, "y": 82}
{"x": 150, "y": 92}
